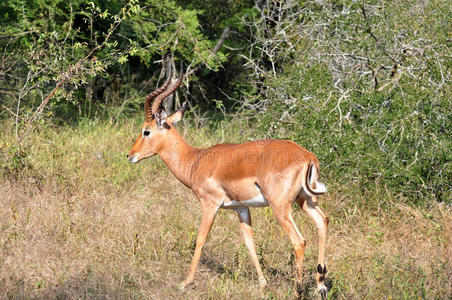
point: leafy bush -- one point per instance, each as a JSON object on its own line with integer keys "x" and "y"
{"x": 364, "y": 86}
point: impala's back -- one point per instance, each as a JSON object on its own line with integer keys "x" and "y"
{"x": 238, "y": 168}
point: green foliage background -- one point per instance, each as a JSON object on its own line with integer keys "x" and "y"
{"x": 363, "y": 85}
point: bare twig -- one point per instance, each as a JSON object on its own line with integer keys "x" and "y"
{"x": 215, "y": 50}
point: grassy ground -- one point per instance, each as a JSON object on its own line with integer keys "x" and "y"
{"x": 78, "y": 221}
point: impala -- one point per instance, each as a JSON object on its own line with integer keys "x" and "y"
{"x": 273, "y": 173}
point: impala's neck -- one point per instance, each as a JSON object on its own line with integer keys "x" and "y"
{"x": 178, "y": 156}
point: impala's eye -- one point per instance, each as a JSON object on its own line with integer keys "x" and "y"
{"x": 146, "y": 133}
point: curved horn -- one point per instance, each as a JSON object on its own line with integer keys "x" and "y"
{"x": 147, "y": 103}
{"x": 169, "y": 91}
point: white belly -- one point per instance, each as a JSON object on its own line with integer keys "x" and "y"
{"x": 258, "y": 201}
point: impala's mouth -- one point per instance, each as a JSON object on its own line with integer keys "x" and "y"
{"x": 133, "y": 158}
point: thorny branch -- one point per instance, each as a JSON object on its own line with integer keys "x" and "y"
{"x": 71, "y": 70}
{"x": 372, "y": 57}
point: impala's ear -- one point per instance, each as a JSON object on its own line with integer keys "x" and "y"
{"x": 177, "y": 116}
{"x": 160, "y": 118}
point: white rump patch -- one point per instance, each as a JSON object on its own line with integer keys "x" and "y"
{"x": 312, "y": 175}
{"x": 320, "y": 187}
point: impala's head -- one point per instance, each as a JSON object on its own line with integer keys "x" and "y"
{"x": 158, "y": 126}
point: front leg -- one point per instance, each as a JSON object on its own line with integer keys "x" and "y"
{"x": 209, "y": 212}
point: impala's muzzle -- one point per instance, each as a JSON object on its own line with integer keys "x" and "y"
{"x": 133, "y": 158}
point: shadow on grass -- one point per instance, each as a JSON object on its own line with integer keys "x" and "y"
{"x": 274, "y": 275}
{"x": 83, "y": 287}
{"x": 215, "y": 265}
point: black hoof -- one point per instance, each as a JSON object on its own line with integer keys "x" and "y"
{"x": 299, "y": 291}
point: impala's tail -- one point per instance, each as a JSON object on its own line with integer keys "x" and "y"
{"x": 313, "y": 185}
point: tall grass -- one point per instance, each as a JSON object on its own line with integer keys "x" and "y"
{"x": 78, "y": 221}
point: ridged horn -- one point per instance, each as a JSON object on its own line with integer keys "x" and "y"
{"x": 169, "y": 91}
{"x": 147, "y": 103}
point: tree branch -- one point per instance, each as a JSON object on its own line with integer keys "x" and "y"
{"x": 215, "y": 50}
{"x": 68, "y": 73}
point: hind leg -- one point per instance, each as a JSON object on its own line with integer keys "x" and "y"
{"x": 247, "y": 230}
{"x": 311, "y": 207}
{"x": 283, "y": 214}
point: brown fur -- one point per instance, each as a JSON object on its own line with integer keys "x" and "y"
{"x": 230, "y": 172}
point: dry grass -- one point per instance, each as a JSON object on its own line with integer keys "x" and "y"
{"x": 80, "y": 222}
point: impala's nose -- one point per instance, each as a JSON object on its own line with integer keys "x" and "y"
{"x": 133, "y": 158}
